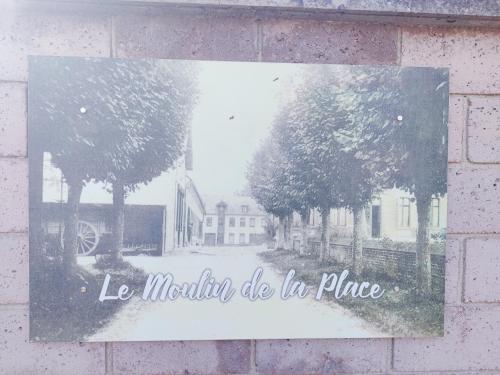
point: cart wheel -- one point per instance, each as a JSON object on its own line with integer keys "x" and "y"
{"x": 87, "y": 238}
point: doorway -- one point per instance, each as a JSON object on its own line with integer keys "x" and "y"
{"x": 376, "y": 221}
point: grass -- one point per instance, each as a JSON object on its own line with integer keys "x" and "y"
{"x": 400, "y": 312}
{"x": 69, "y": 309}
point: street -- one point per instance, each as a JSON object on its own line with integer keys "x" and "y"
{"x": 240, "y": 318}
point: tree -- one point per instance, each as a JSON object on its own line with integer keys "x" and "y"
{"x": 423, "y": 164}
{"x": 304, "y": 213}
{"x": 336, "y": 138}
{"x": 409, "y": 152}
{"x": 104, "y": 120}
{"x": 358, "y": 189}
{"x": 162, "y": 97}
{"x": 313, "y": 150}
{"x": 269, "y": 183}
{"x": 368, "y": 101}
{"x": 61, "y": 90}
{"x": 296, "y": 189}
{"x": 402, "y": 136}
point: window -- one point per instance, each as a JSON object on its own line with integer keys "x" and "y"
{"x": 263, "y": 222}
{"x": 242, "y": 222}
{"x": 232, "y": 221}
{"x": 242, "y": 239}
{"x": 404, "y": 212}
{"x": 231, "y": 238}
{"x": 314, "y": 217}
{"x": 209, "y": 221}
{"x": 435, "y": 212}
{"x": 342, "y": 217}
{"x": 252, "y": 222}
{"x": 244, "y": 209}
{"x": 339, "y": 217}
{"x": 221, "y": 208}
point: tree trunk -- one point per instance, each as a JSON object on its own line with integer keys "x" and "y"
{"x": 357, "y": 241}
{"x": 118, "y": 221}
{"x": 288, "y": 232}
{"x": 424, "y": 276}
{"x": 285, "y": 233}
{"x": 304, "y": 219}
{"x": 71, "y": 226}
{"x": 280, "y": 243}
{"x": 325, "y": 233}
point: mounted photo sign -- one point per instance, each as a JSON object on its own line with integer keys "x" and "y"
{"x": 196, "y": 200}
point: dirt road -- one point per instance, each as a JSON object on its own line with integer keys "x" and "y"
{"x": 239, "y": 318}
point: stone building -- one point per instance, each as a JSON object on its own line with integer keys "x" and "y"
{"x": 234, "y": 220}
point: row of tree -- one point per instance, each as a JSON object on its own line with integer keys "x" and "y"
{"x": 348, "y": 133}
{"x": 112, "y": 121}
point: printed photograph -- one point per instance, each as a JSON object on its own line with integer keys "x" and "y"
{"x": 201, "y": 200}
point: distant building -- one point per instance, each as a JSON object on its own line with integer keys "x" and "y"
{"x": 234, "y": 220}
{"x": 392, "y": 214}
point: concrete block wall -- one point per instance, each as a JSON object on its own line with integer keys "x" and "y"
{"x": 472, "y": 322}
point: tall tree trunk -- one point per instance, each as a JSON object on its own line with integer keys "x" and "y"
{"x": 304, "y": 219}
{"x": 118, "y": 221}
{"x": 424, "y": 275}
{"x": 285, "y": 233}
{"x": 357, "y": 241}
{"x": 281, "y": 233}
{"x": 325, "y": 233}
{"x": 71, "y": 226}
{"x": 288, "y": 232}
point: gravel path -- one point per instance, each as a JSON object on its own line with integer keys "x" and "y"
{"x": 240, "y": 318}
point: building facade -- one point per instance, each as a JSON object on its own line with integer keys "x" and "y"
{"x": 234, "y": 220}
{"x": 392, "y": 214}
{"x": 173, "y": 193}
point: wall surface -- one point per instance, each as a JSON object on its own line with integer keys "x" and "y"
{"x": 472, "y": 323}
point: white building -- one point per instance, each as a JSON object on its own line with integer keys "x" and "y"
{"x": 234, "y": 220}
{"x": 392, "y": 214}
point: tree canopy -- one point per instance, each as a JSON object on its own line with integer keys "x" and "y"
{"x": 112, "y": 117}
{"x": 118, "y": 121}
{"x": 268, "y": 179}
{"x": 349, "y": 132}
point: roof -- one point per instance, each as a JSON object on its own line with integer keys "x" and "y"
{"x": 234, "y": 204}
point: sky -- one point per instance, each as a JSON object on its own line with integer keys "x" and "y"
{"x": 234, "y": 113}
{"x": 236, "y": 105}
